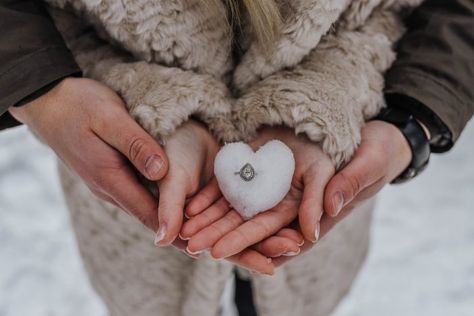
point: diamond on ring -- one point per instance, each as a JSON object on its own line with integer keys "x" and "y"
{"x": 247, "y": 172}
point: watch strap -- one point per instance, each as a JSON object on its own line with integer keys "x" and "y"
{"x": 415, "y": 136}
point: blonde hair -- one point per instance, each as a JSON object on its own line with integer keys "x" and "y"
{"x": 264, "y": 15}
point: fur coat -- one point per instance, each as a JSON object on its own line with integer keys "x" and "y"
{"x": 173, "y": 59}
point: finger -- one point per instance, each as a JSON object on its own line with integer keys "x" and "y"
{"x": 279, "y": 261}
{"x": 104, "y": 197}
{"x": 215, "y": 212}
{"x": 173, "y": 190}
{"x": 208, "y": 236}
{"x": 202, "y": 200}
{"x": 252, "y": 260}
{"x": 311, "y": 207}
{"x": 142, "y": 150}
{"x": 251, "y": 232}
{"x": 328, "y": 222}
{"x": 276, "y": 246}
{"x": 364, "y": 169}
{"x": 123, "y": 187}
{"x": 292, "y": 234}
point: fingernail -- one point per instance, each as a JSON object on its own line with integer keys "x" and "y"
{"x": 292, "y": 253}
{"x": 301, "y": 244}
{"x": 183, "y": 238}
{"x": 153, "y": 166}
{"x": 196, "y": 253}
{"x": 160, "y": 234}
{"x": 190, "y": 255}
{"x": 337, "y": 203}
{"x": 317, "y": 231}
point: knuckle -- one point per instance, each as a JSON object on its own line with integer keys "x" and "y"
{"x": 234, "y": 218}
{"x": 242, "y": 237}
{"x": 263, "y": 227}
{"x": 136, "y": 147}
{"x": 217, "y": 230}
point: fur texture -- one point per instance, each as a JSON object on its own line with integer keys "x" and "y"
{"x": 133, "y": 277}
{"x": 176, "y": 61}
{"x": 170, "y": 59}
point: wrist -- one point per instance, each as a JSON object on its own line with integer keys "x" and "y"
{"x": 416, "y": 137}
{"x": 32, "y": 111}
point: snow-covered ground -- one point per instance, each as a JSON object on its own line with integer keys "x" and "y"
{"x": 421, "y": 262}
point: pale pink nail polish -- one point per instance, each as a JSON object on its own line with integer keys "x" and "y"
{"x": 317, "y": 231}
{"x": 160, "y": 234}
{"x": 183, "y": 238}
{"x": 196, "y": 253}
{"x": 338, "y": 203}
{"x": 292, "y": 253}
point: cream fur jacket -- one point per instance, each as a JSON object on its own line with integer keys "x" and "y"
{"x": 173, "y": 59}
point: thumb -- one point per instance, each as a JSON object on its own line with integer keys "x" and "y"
{"x": 363, "y": 170}
{"x": 173, "y": 190}
{"x": 124, "y": 134}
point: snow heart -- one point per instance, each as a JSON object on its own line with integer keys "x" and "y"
{"x": 254, "y": 182}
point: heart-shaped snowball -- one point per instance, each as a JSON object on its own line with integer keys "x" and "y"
{"x": 254, "y": 182}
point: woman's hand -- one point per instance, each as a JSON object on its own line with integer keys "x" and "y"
{"x": 215, "y": 225}
{"x": 191, "y": 151}
{"x": 87, "y": 125}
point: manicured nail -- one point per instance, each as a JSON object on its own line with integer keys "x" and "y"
{"x": 183, "y": 238}
{"x": 337, "y": 203}
{"x": 317, "y": 232}
{"x": 160, "y": 234}
{"x": 190, "y": 255}
{"x": 153, "y": 166}
{"x": 196, "y": 253}
{"x": 292, "y": 253}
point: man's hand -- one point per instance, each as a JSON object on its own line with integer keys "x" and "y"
{"x": 87, "y": 125}
{"x": 382, "y": 155}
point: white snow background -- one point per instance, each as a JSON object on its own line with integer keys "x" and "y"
{"x": 421, "y": 260}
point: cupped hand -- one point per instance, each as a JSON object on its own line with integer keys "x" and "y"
{"x": 88, "y": 126}
{"x": 191, "y": 151}
{"x": 382, "y": 155}
{"x": 215, "y": 225}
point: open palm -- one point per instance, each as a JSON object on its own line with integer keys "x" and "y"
{"x": 216, "y": 226}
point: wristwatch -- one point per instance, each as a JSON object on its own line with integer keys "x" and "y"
{"x": 416, "y": 137}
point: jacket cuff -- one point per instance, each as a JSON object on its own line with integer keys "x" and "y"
{"x": 31, "y": 74}
{"x": 431, "y": 93}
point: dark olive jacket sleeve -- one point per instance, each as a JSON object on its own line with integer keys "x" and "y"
{"x": 433, "y": 75}
{"x": 33, "y": 54}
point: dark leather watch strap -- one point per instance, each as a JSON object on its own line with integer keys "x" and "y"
{"x": 416, "y": 137}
